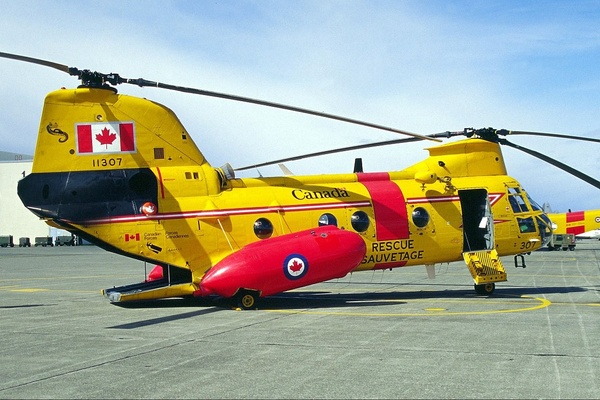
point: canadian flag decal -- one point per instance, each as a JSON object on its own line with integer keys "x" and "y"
{"x": 105, "y": 137}
{"x": 129, "y": 237}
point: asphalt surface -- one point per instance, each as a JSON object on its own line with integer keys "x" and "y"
{"x": 390, "y": 334}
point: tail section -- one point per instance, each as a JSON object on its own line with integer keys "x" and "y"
{"x": 108, "y": 166}
{"x": 96, "y": 129}
{"x": 100, "y": 154}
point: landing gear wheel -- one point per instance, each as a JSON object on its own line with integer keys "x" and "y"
{"x": 485, "y": 289}
{"x": 246, "y": 299}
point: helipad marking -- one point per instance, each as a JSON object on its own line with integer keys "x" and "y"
{"x": 543, "y": 303}
{"x": 16, "y": 289}
{"x": 8, "y": 287}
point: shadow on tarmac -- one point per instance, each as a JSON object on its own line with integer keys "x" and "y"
{"x": 327, "y": 299}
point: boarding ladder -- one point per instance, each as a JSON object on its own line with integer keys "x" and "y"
{"x": 485, "y": 266}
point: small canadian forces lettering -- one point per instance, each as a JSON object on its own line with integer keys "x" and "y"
{"x": 176, "y": 235}
{"x": 393, "y": 251}
{"x": 151, "y": 235}
{"x": 301, "y": 194}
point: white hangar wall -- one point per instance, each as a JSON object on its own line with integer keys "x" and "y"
{"x": 15, "y": 219}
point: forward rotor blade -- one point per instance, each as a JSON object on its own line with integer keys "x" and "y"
{"x": 325, "y": 152}
{"x": 554, "y": 162}
{"x": 555, "y": 135}
{"x": 350, "y": 148}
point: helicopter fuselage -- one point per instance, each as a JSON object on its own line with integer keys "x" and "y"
{"x": 123, "y": 173}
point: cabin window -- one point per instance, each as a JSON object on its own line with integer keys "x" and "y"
{"x": 263, "y": 228}
{"x": 327, "y": 219}
{"x": 360, "y": 221}
{"x": 420, "y": 217}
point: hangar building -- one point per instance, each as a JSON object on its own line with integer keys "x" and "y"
{"x": 15, "y": 219}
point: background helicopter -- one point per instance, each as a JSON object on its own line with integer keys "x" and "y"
{"x": 125, "y": 174}
{"x": 572, "y": 225}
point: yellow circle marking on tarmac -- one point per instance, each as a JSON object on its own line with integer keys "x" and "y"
{"x": 17, "y": 289}
{"x": 540, "y": 303}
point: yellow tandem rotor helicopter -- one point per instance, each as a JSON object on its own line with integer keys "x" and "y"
{"x": 123, "y": 173}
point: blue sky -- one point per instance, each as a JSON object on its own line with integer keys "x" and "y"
{"x": 420, "y": 66}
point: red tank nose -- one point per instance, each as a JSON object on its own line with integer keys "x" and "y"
{"x": 286, "y": 262}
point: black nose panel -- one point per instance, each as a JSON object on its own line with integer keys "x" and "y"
{"x": 85, "y": 195}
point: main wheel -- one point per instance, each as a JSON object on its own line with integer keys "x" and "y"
{"x": 485, "y": 289}
{"x": 246, "y": 299}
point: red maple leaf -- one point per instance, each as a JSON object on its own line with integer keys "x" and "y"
{"x": 106, "y": 137}
{"x": 296, "y": 266}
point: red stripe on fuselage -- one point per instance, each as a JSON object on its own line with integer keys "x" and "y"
{"x": 389, "y": 206}
{"x": 576, "y": 216}
{"x": 160, "y": 182}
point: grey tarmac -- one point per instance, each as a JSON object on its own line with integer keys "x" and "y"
{"x": 382, "y": 334}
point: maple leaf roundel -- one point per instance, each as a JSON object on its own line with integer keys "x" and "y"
{"x": 295, "y": 266}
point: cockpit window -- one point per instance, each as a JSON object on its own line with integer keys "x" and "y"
{"x": 516, "y": 200}
{"x": 545, "y": 227}
{"x": 526, "y": 225}
{"x": 535, "y": 206}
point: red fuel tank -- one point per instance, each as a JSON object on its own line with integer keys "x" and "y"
{"x": 286, "y": 262}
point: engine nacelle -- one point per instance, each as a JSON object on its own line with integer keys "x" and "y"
{"x": 286, "y": 262}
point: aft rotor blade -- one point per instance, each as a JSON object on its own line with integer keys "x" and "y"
{"x": 554, "y": 162}
{"x": 349, "y": 148}
{"x": 97, "y": 79}
{"x": 143, "y": 82}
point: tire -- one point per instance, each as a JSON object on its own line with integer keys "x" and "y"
{"x": 486, "y": 289}
{"x": 246, "y": 299}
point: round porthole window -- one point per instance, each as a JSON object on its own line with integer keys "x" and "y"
{"x": 420, "y": 217}
{"x": 263, "y": 228}
{"x": 360, "y": 221}
{"x": 327, "y": 219}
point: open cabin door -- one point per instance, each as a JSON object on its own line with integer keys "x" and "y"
{"x": 478, "y": 222}
{"x": 478, "y": 240}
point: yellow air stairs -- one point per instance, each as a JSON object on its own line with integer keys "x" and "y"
{"x": 485, "y": 268}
